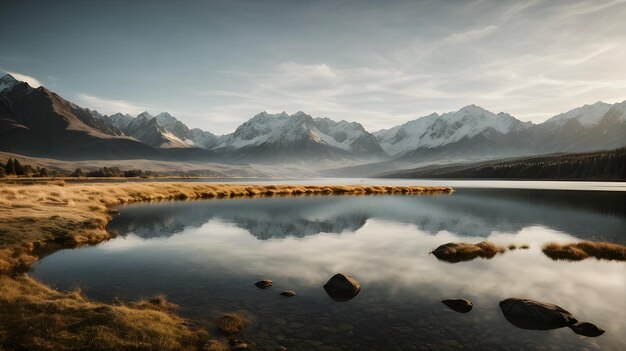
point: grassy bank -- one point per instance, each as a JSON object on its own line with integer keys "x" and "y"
{"x": 44, "y": 217}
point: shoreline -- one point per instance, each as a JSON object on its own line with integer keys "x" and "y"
{"x": 47, "y": 217}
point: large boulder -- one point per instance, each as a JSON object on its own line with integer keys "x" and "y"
{"x": 342, "y": 287}
{"x": 535, "y": 315}
{"x": 459, "y": 305}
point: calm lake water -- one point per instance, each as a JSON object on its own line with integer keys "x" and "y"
{"x": 206, "y": 255}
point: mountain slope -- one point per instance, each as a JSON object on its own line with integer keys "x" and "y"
{"x": 41, "y": 123}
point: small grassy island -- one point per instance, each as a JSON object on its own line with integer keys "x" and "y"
{"x": 40, "y": 218}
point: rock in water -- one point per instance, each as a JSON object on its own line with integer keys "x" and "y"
{"x": 288, "y": 293}
{"x": 587, "y": 329}
{"x": 535, "y": 315}
{"x": 459, "y": 305}
{"x": 342, "y": 287}
{"x": 263, "y": 284}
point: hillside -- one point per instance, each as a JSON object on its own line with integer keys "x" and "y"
{"x": 602, "y": 165}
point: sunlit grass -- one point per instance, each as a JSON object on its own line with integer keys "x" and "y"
{"x": 585, "y": 249}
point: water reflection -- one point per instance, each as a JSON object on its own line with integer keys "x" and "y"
{"x": 220, "y": 248}
{"x": 469, "y": 212}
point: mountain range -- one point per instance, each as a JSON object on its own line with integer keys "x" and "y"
{"x": 38, "y": 122}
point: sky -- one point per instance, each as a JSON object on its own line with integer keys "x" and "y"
{"x": 215, "y": 64}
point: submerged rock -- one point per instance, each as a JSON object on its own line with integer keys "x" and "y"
{"x": 342, "y": 287}
{"x": 535, "y": 315}
{"x": 288, "y": 293}
{"x": 587, "y": 329}
{"x": 231, "y": 323}
{"x": 459, "y": 305}
{"x": 263, "y": 284}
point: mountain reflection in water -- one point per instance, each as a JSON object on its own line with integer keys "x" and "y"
{"x": 469, "y": 212}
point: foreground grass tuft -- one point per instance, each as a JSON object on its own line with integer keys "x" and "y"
{"x": 459, "y": 252}
{"x": 585, "y": 249}
{"x": 35, "y": 317}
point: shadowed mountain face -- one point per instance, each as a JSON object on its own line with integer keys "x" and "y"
{"x": 469, "y": 212}
{"x": 39, "y": 122}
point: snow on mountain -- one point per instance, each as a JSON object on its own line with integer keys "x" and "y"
{"x": 8, "y": 82}
{"x": 202, "y": 139}
{"x": 120, "y": 121}
{"x": 300, "y": 131}
{"x": 438, "y": 130}
{"x": 587, "y": 115}
{"x": 173, "y": 125}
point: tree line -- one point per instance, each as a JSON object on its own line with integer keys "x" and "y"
{"x": 13, "y": 167}
{"x": 600, "y": 165}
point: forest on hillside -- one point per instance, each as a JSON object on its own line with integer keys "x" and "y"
{"x": 601, "y": 165}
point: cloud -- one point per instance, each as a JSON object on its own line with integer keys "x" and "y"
{"x": 472, "y": 34}
{"x": 32, "y": 81}
{"x": 112, "y": 106}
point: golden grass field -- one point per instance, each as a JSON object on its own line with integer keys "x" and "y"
{"x": 43, "y": 217}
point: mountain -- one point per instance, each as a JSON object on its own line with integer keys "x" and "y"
{"x": 38, "y": 122}
{"x": 471, "y": 128}
{"x": 586, "y": 115}
{"x": 601, "y": 165}
{"x": 7, "y": 82}
{"x": 477, "y": 134}
{"x": 297, "y": 137}
{"x": 588, "y": 128}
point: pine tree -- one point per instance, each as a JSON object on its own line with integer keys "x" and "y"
{"x": 19, "y": 169}
{"x": 43, "y": 172}
{"x": 9, "y": 168}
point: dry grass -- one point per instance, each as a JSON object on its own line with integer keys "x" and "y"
{"x": 231, "y": 323}
{"x": 585, "y": 249}
{"x": 459, "y": 252}
{"x": 35, "y": 317}
{"x": 43, "y": 217}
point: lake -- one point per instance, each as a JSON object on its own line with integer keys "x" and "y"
{"x": 206, "y": 255}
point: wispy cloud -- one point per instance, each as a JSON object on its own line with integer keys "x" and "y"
{"x": 472, "y": 34}
{"x": 32, "y": 81}
{"x": 111, "y": 106}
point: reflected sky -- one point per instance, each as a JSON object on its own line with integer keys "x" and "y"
{"x": 206, "y": 255}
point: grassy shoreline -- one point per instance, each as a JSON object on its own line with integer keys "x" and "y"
{"x": 39, "y": 217}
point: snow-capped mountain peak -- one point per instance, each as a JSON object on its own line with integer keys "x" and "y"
{"x": 587, "y": 115}
{"x": 285, "y": 133}
{"x": 145, "y": 115}
{"x": 437, "y": 130}
{"x": 7, "y": 82}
